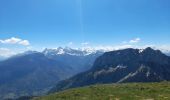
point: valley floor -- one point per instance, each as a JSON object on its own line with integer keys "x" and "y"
{"x": 128, "y": 91}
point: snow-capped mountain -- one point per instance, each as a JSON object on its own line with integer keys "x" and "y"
{"x": 84, "y": 51}
{"x": 79, "y": 59}
{"x": 70, "y": 51}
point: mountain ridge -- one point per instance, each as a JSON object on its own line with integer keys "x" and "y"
{"x": 128, "y": 65}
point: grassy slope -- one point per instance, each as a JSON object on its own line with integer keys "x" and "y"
{"x": 130, "y": 91}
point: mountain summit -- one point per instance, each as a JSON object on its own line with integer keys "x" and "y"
{"x": 128, "y": 65}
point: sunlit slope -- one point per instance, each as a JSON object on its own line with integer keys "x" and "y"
{"x": 129, "y": 91}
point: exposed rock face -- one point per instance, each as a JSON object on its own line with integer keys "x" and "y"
{"x": 128, "y": 65}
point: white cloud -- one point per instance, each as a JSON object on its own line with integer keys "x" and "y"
{"x": 4, "y": 52}
{"x": 14, "y": 40}
{"x": 107, "y": 48}
{"x": 136, "y": 40}
{"x": 24, "y": 42}
{"x": 163, "y": 48}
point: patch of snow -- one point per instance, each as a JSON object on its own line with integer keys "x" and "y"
{"x": 141, "y": 50}
{"x": 60, "y": 51}
{"x": 147, "y": 74}
{"x": 121, "y": 66}
{"x": 70, "y": 51}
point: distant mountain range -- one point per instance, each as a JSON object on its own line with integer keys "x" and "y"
{"x": 128, "y": 65}
{"x": 34, "y": 73}
{"x": 70, "y": 51}
{"x": 80, "y": 60}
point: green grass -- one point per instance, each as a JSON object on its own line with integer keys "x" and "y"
{"x": 129, "y": 91}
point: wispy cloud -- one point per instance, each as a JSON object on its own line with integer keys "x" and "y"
{"x": 24, "y": 42}
{"x": 4, "y": 52}
{"x": 164, "y": 48}
{"x": 132, "y": 41}
{"x": 14, "y": 40}
{"x": 107, "y": 48}
{"x": 136, "y": 40}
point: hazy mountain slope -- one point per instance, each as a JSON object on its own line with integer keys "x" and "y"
{"x": 168, "y": 53}
{"x": 29, "y": 74}
{"x": 34, "y": 73}
{"x": 2, "y": 58}
{"x": 128, "y": 65}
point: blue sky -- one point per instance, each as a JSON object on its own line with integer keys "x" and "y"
{"x": 51, "y": 23}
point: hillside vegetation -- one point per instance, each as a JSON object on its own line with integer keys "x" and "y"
{"x": 128, "y": 91}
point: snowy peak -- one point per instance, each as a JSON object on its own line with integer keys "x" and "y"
{"x": 70, "y": 51}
